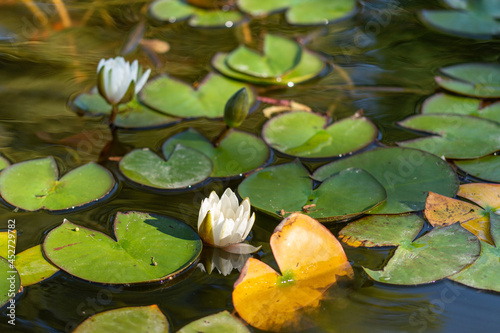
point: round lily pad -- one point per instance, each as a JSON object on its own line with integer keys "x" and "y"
{"x": 310, "y": 66}
{"x": 306, "y": 134}
{"x": 34, "y": 184}
{"x": 179, "y": 99}
{"x": 487, "y": 168}
{"x": 484, "y": 272}
{"x": 282, "y": 189}
{"x": 490, "y": 7}
{"x": 176, "y": 10}
{"x": 472, "y": 79}
{"x": 33, "y": 267}
{"x": 221, "y": 322}
{"x": 454, "y": 136}
{"x": 382, "y": 230}
{"x": 141, "y": 319}
{"x": 406, "y": 174}
{"x": 434, "y": 256}
{"x": 9, "y": 281}
{"x": 462, "y": 23}
{"x": 3, "y": 162}
{"x": 238, "y": 153}
{"x": 184, "y": 167}
{"x": 300, "y": 12}
{"x": 444, "y": 103}
{"x": 131, "y": 115}
{"x": 279, "y": 56}
{"x": 148, "y": 248}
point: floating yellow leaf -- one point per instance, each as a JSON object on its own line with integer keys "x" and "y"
{"x": 309, "y": 257}
{"x": 442, "y": 211}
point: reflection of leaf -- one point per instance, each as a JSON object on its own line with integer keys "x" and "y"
{"x": 441, "y": 210}
{"x": 309, "y": 257}
{"x": 131, "y": 319}
{"x": 434, "y": 256}
{"x": 221, "y": 322}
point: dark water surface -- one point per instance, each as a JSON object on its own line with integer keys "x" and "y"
{"x": 388, "y": 54}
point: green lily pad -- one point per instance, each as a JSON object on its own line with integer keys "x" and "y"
{"x": 310, "y": 66}
{"x": 33, "y": 267}
{"x": 455, "y": 136}
{"x": 487, "y": 167}
{"x": 305, "y": 134}
{"x": 382, "y": 230}
{"x": 221, "y": 322}
{"x": 3, "y": 163}
{"x": 176, "y": 10}
{"x": 185, "y": 167}
{"x": 490, "y": 7}
{"x": 34, "y": 184}
{"x": 472, "y": 79}
{"x": 148, "y": 248}
{"x": 302, "y": 12}
{"x": 179, "y": 99}
{"x": 238, "y": 153}
{"x": 280, "y": 56}
{"x": 140, "y": 319}
{"x": 9, "y": 281}
{"x": 462, "y": 23}
{"x": 407, "y": 175}
{"x": 434, "y": 256}
{"x": 444, "y": 103}
{"x": 484, "y": 272}
{"x": 131, "y": 115}
{"x": 282, "y": 189}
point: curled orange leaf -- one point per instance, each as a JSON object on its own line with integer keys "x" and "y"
{"x": 310, "y": 259}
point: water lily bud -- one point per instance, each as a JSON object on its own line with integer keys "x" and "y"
{"x": 236, "y": 109}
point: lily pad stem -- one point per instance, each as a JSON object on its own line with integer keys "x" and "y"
{"x": 221, "y": 136}
{"x": 112, "y": 116}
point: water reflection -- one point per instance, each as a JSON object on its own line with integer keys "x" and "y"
{"x": 224, "y": 262}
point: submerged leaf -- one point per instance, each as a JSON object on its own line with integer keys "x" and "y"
{"x": 310, "y": 259}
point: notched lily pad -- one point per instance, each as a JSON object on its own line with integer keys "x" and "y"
{"x": 33, "y": 267}
{"x": 183, "y": 168}
{"x": 282, "y": 189}
{"x": 171, "y": 11}
{"x": 9, "y": 282}
{"x": 444, "y": 103}
{"x": 300, "y": 12}
{"x": 222, "y": 322}
{"x": 133, "y": 115}
{"x": 484, "y": 272}
{"x": 179, "y": 99}
{"x": 472, "y": 79}
{"x": 148, "y": 248}
{"x": 35, "y": 184}
{"x": 310, "y": 66}
{"x": 238, "y": 153}
{"x": 279, "y": 56}
{"x": 487, "y": 167}
{"x": 406, "y": 174}
{"x": 454, "y": 136}
{"x": 307, "y": 135}
{"x": 434, "y": 256}
{"x": 140, "y": 319}
{"x": 382, "y": 230}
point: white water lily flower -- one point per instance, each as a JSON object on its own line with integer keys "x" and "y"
{"x": 225, "y": 223}
{"x": 119, "y": 81}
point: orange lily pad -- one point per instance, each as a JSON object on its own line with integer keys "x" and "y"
{"x": 310, "y": 259}
{"x": 442, "y": 211}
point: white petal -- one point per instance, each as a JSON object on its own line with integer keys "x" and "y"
{"x": 241, "y": 248}
{"x": 142, "y": 81}
{"x": 218, "y": 227}
{"x": 248, "y": 227}
{"x": 226, "y": 233}
{"x": 101, "y": 63}
{"x": 227, "y": 206}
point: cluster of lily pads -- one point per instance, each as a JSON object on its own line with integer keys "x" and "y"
{"x": 388, "y": 186}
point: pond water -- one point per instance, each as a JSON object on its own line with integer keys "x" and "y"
{"x": 388, "y": 61}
